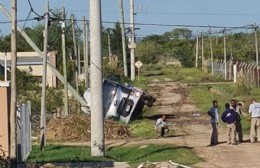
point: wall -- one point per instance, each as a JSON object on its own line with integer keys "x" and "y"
{"x": 4, "y": 111}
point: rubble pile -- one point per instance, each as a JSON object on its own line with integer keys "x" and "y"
{"x": 76, "y": 128}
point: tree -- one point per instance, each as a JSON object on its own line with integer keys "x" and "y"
{"x": 147, "y": 52}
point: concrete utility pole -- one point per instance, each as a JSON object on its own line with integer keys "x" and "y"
{"x": 225, "y": 55}
{"x": 63, "y": 42}
{"x": 41, "y": 55}
{"x": 211, "y": 53}
{"x": 76, "y": 57}
{"x": 197, "y": 51}
{"x": 97, "y": 116}
{"x": 85, "y": 49}
{"x": 79, "y": 60}
{"x": 256, "y": 53}
{"x": 13, "y": 144}
{"x": 202, "y": 51}
{"x": 132, "y": 44}
{"x": 44, "y": 69}
{"x": 122, "y": 25}
{"x": 5, "y": 66}
{"x": 109, "y": 46}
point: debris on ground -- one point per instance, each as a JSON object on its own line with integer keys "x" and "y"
{"x": 3, "y": 158}
{"x": 166, "y": 164}
{"x": 77, "y": 128}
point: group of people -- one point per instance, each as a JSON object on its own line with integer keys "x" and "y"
{"x": 232, "y": 117}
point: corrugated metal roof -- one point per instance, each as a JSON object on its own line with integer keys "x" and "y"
{"x": 24, "y": 61}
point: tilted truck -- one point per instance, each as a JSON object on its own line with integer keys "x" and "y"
{"x": 121, "y": 102}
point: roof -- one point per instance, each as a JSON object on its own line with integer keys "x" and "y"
{"x": 21, "y": 61}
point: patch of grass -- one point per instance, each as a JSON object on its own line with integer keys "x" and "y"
{"x": 143, "y": 128}
{"x": 58, "y": 153}
{"x": 154, "y": 153}
{"x": 132, "y": 154}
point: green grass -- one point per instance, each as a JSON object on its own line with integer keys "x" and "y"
{"x": 132, "y": 154}
{"x": 177, "y": 74}
{"x": 202, "y": 98}
{"x": 154, "y": 153}
{"x": 143, "y": 129}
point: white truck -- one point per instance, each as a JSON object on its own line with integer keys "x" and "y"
{"x": 121, "y": 102}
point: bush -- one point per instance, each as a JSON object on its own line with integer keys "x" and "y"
{"x": 28, "y": 89}
{"x": 244, "y": 85}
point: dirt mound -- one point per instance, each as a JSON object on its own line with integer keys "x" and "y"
{"x": 77, "y": 128}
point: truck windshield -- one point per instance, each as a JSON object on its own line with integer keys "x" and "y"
{"x": 109, "y": 90}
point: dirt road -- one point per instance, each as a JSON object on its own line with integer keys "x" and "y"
{"x": 194, "y": 130}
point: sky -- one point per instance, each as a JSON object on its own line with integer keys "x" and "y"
{"x": 152, "y": 16}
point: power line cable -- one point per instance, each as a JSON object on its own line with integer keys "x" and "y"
{"x": 32, "y": 10}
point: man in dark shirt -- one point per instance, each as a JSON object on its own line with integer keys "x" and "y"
{"x": 237, "y": 109}
{"x": 229, "y": 117}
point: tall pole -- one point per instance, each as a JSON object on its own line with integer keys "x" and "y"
{"x": 211, "y": 53}
{"x": 109, "y": 45}
{"x": 79, "y": 66}
{"x": 225, "y": 55}
{"x": 122, "y": 25}
{"x": 132, "y": 44}
{"x": 97, "y": 116}
{"x": 13, "y": 147}
{"x": 85, "y": 49}
{"x": 202, "y": 51}
{"x": 44, "y": 69}
{"x": 63, "y": 41}
{"x": 197, "y": 51}
{"x": 76, "y": 57}
{"x": 256, "y": 54}
{"x": 5, "y": 66}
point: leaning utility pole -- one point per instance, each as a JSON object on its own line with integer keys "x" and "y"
{"x": 63, "y": 41}
{"x": 85, "y": 49}
{"x": 122, "y": 25}
{"x": 225, "y": 55}
{"x": 211, "y": 53}
{"x": 76, "y": 57}
{"x": 256, "y": 53}
{"x": 44, "y": 69}
{"x": 41, "y": 55}
{"x": 197, "y": 51}
{"x": 132, "y": 43}
{"x": 97, "y": 116}
{"x": 13, "y": 144}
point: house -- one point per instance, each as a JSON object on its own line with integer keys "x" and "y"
{"x": 32, "y": 63}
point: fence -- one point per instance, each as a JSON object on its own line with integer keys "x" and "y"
{"x": 24, "y": 132}
{"x": 250, "y": 71}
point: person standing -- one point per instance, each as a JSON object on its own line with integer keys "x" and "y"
{"x": 214, "y": 120}
{"x": 254, "y": 110}
{"x": 162, "y": 126}
{"x": 229, "y": 117}
{"x": 237, "y": 109}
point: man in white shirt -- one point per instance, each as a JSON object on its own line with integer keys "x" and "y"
{"x": 162, "y": 126}
{"x": 254, "y": 110}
